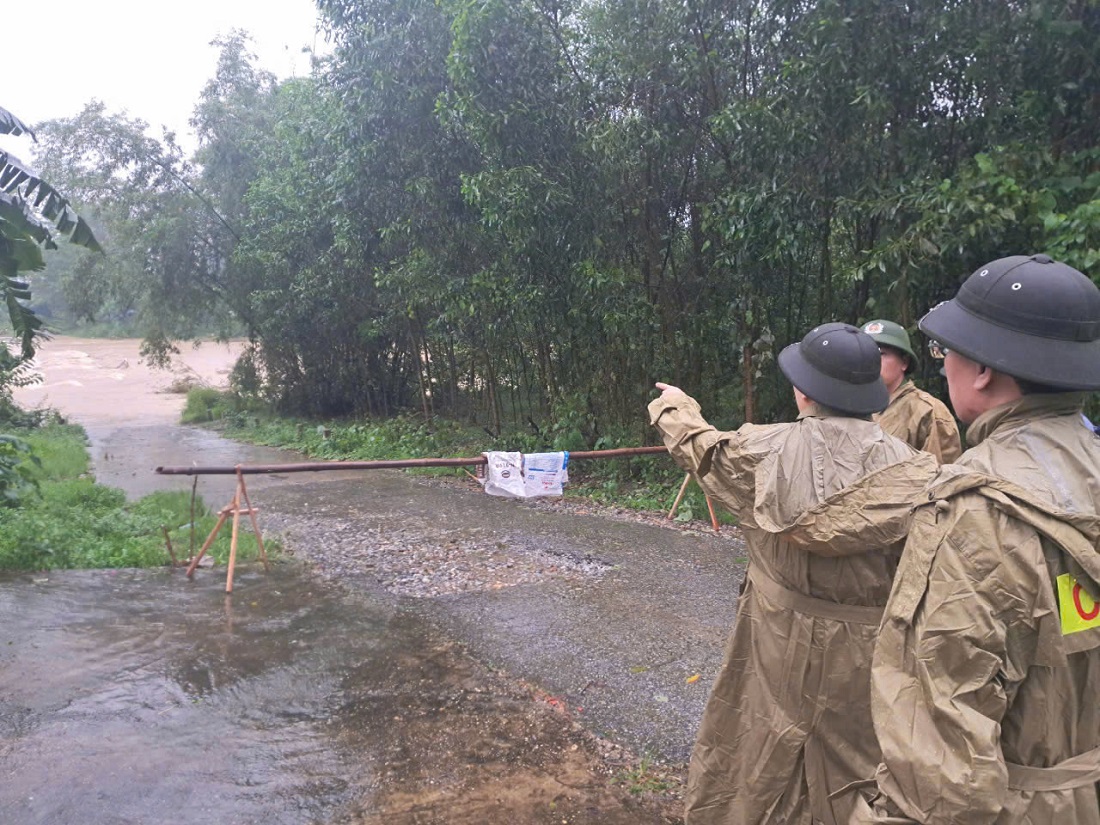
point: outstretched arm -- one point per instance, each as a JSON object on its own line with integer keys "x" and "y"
{"x": 724, "y": 463}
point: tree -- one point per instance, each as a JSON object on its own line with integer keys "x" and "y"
{"x": 169, "y": 239}
{"x": 32, "y": 215}
{"x": 525, "y": 212}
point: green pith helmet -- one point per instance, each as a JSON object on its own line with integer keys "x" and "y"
{"x": 893, "y": 335}
{"x": 1030, "y": 317}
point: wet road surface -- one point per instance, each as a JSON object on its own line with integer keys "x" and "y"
{"x": 616, "y": 620}
{"x": 138, "y": 697}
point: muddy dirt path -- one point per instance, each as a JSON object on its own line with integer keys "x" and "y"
{"x": 428, "y": 654}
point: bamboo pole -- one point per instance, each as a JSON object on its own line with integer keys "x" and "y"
{"x": 168, "y": 544}
{"x": 194, "y": 490}
{"x": 387, "y": 464}
{"x": 713, "y": 518}
{"x": 679, "y": 496}
{"x": 252, "y": 516}
{"x": 209, "y": 540}
{"x": 233, "y": 540}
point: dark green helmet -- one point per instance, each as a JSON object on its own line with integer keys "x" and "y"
{"x": 1029, "y": 317}
{"x": 893, "y": 335}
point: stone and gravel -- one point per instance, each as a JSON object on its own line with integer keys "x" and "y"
{"x": 424, "y": 560}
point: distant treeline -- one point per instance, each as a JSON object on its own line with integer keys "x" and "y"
{"x": 523, "y": 212}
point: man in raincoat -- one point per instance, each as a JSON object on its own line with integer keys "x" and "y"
{"x": 824, "y": 503}
{"x": 916, "y": 417}
{"x": 986, "y": 676}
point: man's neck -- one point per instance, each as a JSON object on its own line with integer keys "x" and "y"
{"x": 893, "y": 388}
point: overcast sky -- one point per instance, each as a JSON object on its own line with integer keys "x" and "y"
{"x": 150, "y": 59}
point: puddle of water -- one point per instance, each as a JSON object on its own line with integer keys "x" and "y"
{"x": 139, "y": 697}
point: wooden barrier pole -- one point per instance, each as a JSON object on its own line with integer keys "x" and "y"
{"x": 209, "y": 540}
{"x": 194, "y": 490}
{"x": 252, "y": 516}
{"x": 713, "y": 518}
{"x": 387, "y": 464}
{"x": 168, "y": 543}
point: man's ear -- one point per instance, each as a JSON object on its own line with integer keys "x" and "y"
{"x": 983, "y": 377}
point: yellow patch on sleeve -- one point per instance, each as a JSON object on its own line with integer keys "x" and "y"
{"x": 1077, "y": 609}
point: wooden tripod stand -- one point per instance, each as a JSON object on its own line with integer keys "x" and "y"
{"x": 679, "y": 497}
{"x": 232, "y": 508}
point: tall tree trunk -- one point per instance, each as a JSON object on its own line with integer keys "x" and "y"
{"x": 418, "y": 364}
{"x": 452, "y": 364}
{"x": 748, "y": 382}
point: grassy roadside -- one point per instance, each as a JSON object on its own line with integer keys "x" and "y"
{"x": 61, "y": 518}
{"x": 646, "y": 483}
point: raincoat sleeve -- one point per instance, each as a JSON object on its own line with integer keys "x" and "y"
{"x": 724, "y": 463}
{"x": 943, "y": 661}
{"x": 942, "y": 437}
{"x": 873, "y": 512}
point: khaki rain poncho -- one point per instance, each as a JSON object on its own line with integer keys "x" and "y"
{"x": 986, "y": 677}
{"x": 923, "y": 421}
{"x": 824, "y": 503}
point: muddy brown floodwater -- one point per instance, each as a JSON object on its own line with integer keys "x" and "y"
{"x": 423, "y": 654}
{"x": 140, "y": 697}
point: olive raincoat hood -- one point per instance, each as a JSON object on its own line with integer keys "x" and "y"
{"x": 1076, "y": 535}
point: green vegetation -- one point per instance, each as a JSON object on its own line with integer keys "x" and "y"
{"x": 205, "y": 404}
{"x": 518, "y": 214}
{"x": 61, "y": 450}
{"x": 62, "y": 519}
{"x": 646, "y": 777}
{"x": 32, "y": 215}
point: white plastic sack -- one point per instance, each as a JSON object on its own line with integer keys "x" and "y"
{"x": 544, "y": 473}
{"x": 514, "y": 475}
{"x": 504, "y": 475}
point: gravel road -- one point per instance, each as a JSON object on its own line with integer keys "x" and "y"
{"x": 622, "y": 616}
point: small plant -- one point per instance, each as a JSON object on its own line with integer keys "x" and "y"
{"x": 645, "y": 777}
{"x": 60, "y": 450}
{"x": 17, "y": 479}
{"x": 205, "y": 404}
